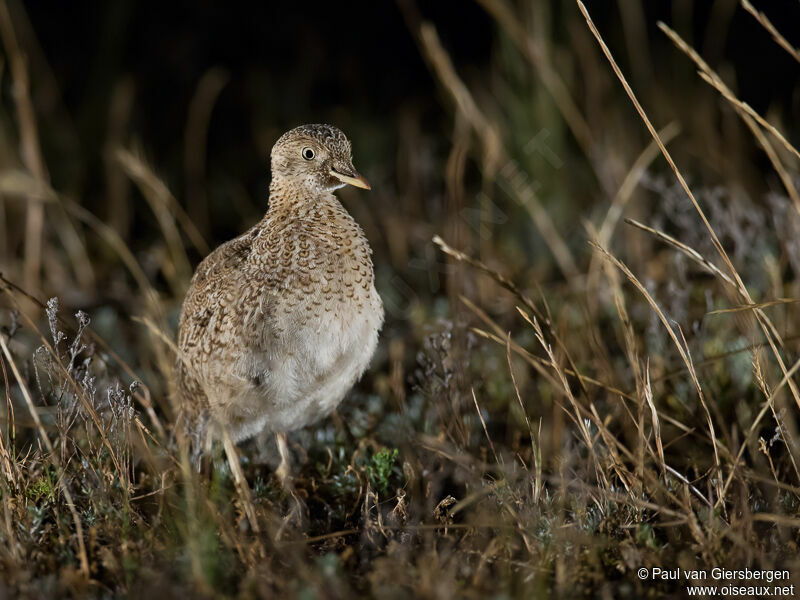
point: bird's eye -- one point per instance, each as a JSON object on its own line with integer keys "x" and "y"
{"x": 308, "y": 153}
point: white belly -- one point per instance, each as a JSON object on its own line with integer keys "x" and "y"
{"x": 306, "y": 374}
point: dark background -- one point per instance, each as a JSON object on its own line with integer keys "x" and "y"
{"x": 355, "y": 64}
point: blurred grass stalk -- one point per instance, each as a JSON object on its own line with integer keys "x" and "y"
{"x": 756, "y": 319}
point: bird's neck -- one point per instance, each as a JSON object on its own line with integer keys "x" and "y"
{"x": 298, "y": 195}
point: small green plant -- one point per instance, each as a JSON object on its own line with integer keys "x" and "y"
{"x": 380, "y": 468}
{"x": 43, "y": 488}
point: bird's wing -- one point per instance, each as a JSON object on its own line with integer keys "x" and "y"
{"x": 211, "y": 316}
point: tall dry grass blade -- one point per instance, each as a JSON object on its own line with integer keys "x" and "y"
{"x": 53, "y": 456}
{"x": 536, "y": 450}
{"x": 493, "y": 149}
{"x": 582, "y": 427}
{"x": 778, "y": 302}
{"x": 648, "y": 395}
{"x": 745, "y": 112}
{"x": 30, "y": 150}
{"x": 245, "y": 497}
{"x": 625, "y": 192}
{"x": 113, "y": 239}
{"x": 701, "y": 260}
{"x": 690, "y": 252}
{"x": 656, "y": 137}
{"x": 12, "y": 541}
{"x": 167, "y": 368}
{"x": 772, "y": 155}
{"x": 714, "y": 239}
{"x": 682, "y": 350}
{"x": 193, "y": 526}
{"x": 776, "y": 35}
{"x": 710, "y": 76}
{"x": 198, "y": 118}
{"x": 517, "y": 182}
{"x": 169, "y": 208}
{"x": 10, "y": 472}
{"x": 531, "y": 50}
{"x": 32, "y": 159}
{"x": 178, "y": 270}
{"x": 485, "y": 430}
{"x": 632, "y": 354}
{"x": 511, "y": 287}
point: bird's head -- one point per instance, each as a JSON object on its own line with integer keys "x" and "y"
{"x": 315, "y": 156}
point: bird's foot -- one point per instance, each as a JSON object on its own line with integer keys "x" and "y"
{"x": 296, "y": 517}
{"x": 297, "y": 514}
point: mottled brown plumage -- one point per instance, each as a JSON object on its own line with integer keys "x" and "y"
{"x": 279, "y": 322}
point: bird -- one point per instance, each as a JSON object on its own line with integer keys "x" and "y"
{"x": 279, "y": 323}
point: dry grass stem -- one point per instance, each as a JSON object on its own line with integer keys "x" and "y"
{"x": 493, "y": 149}
{"x": 708, "y": 74}
{"x": 52, "y": 456}
{"x": 715, "y": 240}
{"x": 776, "y": 35}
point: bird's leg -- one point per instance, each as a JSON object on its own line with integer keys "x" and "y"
{"x": 284, "y": 470}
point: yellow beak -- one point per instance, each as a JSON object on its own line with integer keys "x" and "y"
{"x": 357, "y": 181}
